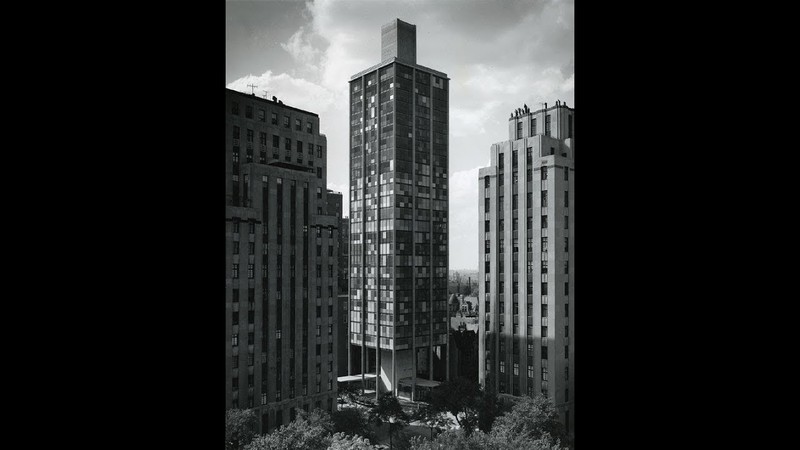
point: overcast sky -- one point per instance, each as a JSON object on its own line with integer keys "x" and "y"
{"x": 498, "y": 54}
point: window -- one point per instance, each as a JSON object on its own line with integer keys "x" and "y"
{"x": 236, "y": 132}
{"x": 566, "y": 173}
{"x": 274, "y": 119}
{"x": 262, "y": 116}
{"x": 566, "y": 351}
{"x": 566, "y": 244}
{"x": 566, "y": 330}
{"x": 235, "y": 383}
{"x": 249, "y": 135}
{"x": 309, "y": 127}
{"x": 544, "y": 352}
{"x": 516, "y": 368}
{"x": 299, "y": 146}
{"x": 502, "y": 367}
{"x": 235, "y": 108}
{"x": 544, "y": 221}
{"x": 298, "y": 125}
{"x": 250, "y": 271}
{"x": 235, "y": 340}
{"x": 251, "y": 248}
{"x": 319, "y": 172}
{"x": 519, "y": 130}
{"x": 311, "y": 149}
{"x": 544, "y": 288}
{"x": 566, "y": 199}
{"x": 287, "y": 144}
{"x": 533, "y": 127}
{"x": 547, "y": 125}
{"x": 544, "y": 200}
{"x": 566, "y": 372}
{"x": 236, "y": 296}
{"x": 544, "y": 332}
{"x": 544, "y": 244}
{"x": 544, "y": 373}
{"x": 569, "y": 126}
{"x": 319, "y": 151}
{"x": 500, "y": 161}
{"x": 566, "y": 309}
{"x": 544, "y": 173}
{"x": 235, "y": 318}
{"x": 286, "y": 122}
{"x": 276, "y": 141}
{"x": 248, "y": 111}
{"x": 235, "y": 271}
{"x": 235, "y": 247}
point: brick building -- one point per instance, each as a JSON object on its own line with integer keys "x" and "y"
{"x": 281, "y": 261}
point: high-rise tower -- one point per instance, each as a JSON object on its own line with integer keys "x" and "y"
{"x": 398, "y": 219}
{"x": 527, "y": 303}
{"x": 281, "y": 241}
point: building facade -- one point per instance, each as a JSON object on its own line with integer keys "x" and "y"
{"x": 527, "y": 307}
{"x": 398, "y": 219}
{"x": 281, "y": 261}
{"x": 344, "y": 298}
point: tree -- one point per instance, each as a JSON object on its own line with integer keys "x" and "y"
{"x": 478, "y": 440}
{"x": 532, "y": 418}
{"x": 453, "y": 439}
{"x": 460, "y": 398}
{"x": 307, "y": 432}
{"x": 340, "y": 441}
{"x": 352, "y": 421}
{"x": 488, "y": 408}
{"x": 240, "y": 427}
{"x": 433, "y": 417}
{"x": 388, "y": 410}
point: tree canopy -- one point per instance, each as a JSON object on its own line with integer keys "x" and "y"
{"x": 307, "y": 432}
{"x": 530, "y": 417}
{"x": 240, "y": 427}
{"x": 340, "y": 441}
{"x": 352, "y": 421}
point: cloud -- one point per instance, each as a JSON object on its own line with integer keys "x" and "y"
{"x": 300, "y": 48}
{"x": 497, "y": 56}
{"x": 296, "y": 92}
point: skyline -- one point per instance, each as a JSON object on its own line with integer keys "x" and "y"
{"x": 498, "y": 56}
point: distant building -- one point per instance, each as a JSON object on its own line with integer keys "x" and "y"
{"x": 398, "y": 219}
{"x": 526, "y": 340}
{"x": 281, "y": 240}
{"x": 463, "y": 338}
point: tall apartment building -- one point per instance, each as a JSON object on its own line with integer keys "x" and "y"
{"x": 281, "y": 263}
{"x": 398, "y": 219}
{"x": 343, "y": 298}
{"x": 527, "y": 305}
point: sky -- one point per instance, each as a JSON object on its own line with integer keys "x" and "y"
{"x": 499, "y": 55}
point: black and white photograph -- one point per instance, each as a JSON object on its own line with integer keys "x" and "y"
{"x": 400, "y": 224}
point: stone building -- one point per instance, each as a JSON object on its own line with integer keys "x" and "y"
{"x": 527, "y": 258}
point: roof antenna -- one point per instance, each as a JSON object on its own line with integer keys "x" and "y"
{"x": 252, "y": 86}
{"x": 265, "y": 94}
